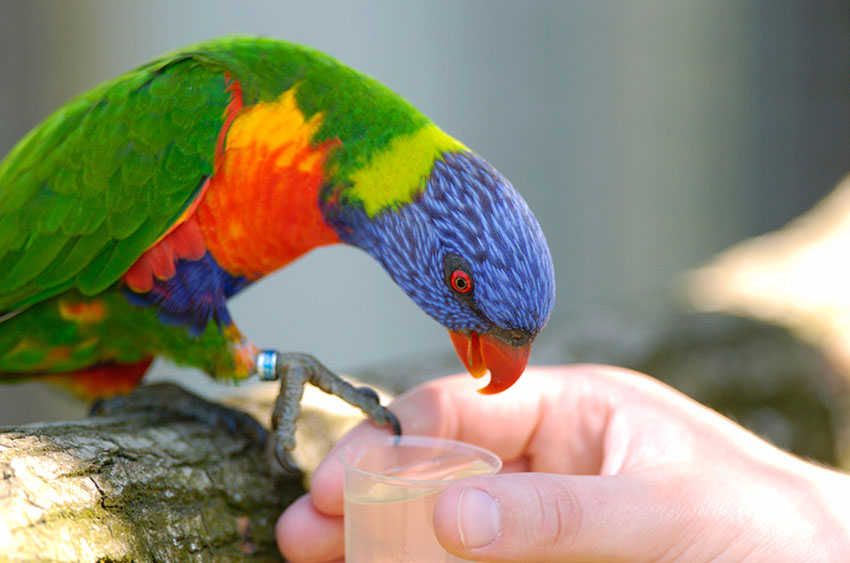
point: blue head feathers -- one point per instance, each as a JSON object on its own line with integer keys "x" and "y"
{"x": 468, "y": 219}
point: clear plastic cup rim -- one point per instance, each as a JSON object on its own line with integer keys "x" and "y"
{"x": 494, "y": 461}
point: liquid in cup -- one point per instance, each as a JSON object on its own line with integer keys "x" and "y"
{"x": 391, "y": 487}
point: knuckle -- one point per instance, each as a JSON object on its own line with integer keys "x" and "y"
{"x": 558, "y": 517}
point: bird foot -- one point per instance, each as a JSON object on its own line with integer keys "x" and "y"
{"x": 294, "y": 370}
{"x": 172, "y": 398}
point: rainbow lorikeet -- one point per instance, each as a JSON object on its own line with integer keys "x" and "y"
{"x": 131, "y": 215}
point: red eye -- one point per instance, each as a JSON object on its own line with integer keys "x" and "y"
{"x": 461, "y": 282}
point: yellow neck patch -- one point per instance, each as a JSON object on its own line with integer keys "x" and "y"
{"x": 393, "y": 177}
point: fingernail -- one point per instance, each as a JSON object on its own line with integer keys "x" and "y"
{"x": 477, "y": 518}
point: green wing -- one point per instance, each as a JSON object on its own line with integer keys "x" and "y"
{"x": 85, "y": 193}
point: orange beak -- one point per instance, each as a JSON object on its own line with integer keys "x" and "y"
{"x": 479, "y": 353}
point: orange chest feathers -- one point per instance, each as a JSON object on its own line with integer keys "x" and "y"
{"x": 260, "y": 209}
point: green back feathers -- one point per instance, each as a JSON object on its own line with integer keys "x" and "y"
{"x": 389, "y": 147}
{"x": 357, "y": 110}
{"x": 91, "y": 188}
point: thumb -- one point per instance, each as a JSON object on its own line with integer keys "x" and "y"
{"x": 544, "y": 517}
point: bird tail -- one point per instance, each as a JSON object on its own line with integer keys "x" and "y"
{"x": 100, "y": 381}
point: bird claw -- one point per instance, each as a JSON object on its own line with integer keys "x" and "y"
{"x": 367, "y": 391}
{"x": 294, "y": 371}
{"x": 385, "y": 417}
{"x": 284, "y": 458}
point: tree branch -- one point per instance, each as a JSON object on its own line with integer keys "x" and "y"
{"x": 147, "y": 486}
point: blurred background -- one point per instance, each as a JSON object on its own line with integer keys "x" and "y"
{"x": 646, "y": 135}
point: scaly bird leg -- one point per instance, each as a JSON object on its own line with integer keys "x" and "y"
{"x": 294, "y": 370}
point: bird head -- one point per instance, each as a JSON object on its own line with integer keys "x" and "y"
{"x": 467, "y": 249}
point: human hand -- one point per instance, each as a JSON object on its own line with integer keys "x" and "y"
{"x": 600, "y": 464}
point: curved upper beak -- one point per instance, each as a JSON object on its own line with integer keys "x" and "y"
{"x": 504, "y": 353}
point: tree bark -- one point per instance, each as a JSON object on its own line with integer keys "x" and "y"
{"x": 138, "y": 486}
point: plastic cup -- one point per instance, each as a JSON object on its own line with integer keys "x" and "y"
{"x": 391, "y": 485}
